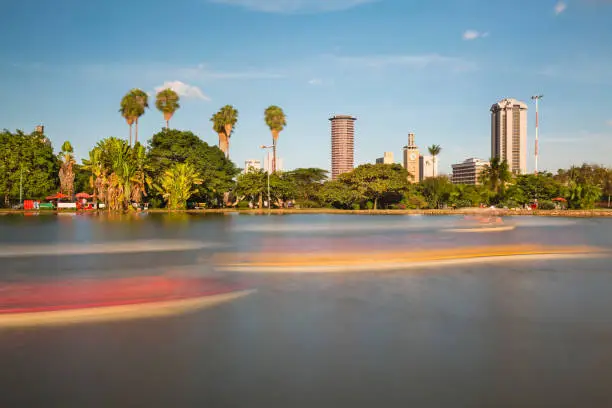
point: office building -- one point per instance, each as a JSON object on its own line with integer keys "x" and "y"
{"x": 428, "y": 167}
{"x": 342, "y": 144}
{"x": 509, "y": 134}
{"x": 386, "y": 159}
{"x": 468, "y": 172}
{"x": 411, "y": 159}
{"x": 252, "y": 166}
{"x": 269, "y": 159}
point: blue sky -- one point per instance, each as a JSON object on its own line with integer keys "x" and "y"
{"x": 431, "y": 67}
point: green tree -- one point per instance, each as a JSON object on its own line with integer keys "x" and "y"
{"x": 81, "y": 179}
{"x": 436, "y": 191}
{"x": 582, "y": 195}
{"x": 337, "y": 194}
{"x": 66, "y": 172}
{"x": 252, "y": 186}
{"x": 434, "y": 151}
{"x": 173, "y": 146}
{"x": 27, "y": 163}
{"x": 276, "y": 120}
{"x": 307, "y": 182}
{"x": 176, "y": 185}
{"x": 373, "y": 181}
{"x": 167, "y": 102}
{"x": 496, "y": 175}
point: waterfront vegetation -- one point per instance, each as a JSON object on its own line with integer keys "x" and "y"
{"x": 178, "y": 170}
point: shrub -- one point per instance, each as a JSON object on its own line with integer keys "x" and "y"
{"x": 463, "y": 203}
{"x": 306, "y": 204}
{"x": 546, "y": 205}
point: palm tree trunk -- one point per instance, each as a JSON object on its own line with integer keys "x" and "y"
{"x": 167, "y": 124}
{"x": 434, "y": 164}
{"x": 136, "y": 135}
{"x": 273, "y": 156}
{"x": 130, "y": 135}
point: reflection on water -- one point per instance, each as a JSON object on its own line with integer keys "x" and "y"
{"x": 523, "y": 334}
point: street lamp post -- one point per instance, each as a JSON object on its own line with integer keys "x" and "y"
{"x": 269, "y": 170}
{"x": 536, "y": 98}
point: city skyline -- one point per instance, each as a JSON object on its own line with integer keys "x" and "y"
{"x": 440, "y": 87}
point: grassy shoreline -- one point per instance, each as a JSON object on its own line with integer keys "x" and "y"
{"x": 463, "y": 211}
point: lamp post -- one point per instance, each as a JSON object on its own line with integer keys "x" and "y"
{"x": 269, "y": 170}
{"x": 536, "y": 98}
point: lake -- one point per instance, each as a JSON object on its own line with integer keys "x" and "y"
{"x": 526, "y": 333}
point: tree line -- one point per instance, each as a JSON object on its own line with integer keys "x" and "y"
{"x": 177, "y": 169}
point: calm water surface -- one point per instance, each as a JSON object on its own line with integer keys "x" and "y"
{"x": 528, "y": 334}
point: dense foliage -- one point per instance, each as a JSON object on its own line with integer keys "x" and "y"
{"x": 178, "y": 168}
{"x": 27, "y": 164}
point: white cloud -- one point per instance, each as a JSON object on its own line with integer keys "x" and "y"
{"x": 315, "y": 81}
{"x": 184, "y": 90}
{"x": 408, "y": 61}
{"x": 560, "y": 7}
{"x": 469, "y": 35}
{"x": 294, "y": 6}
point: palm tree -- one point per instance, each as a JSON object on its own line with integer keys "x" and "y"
{"x": 176, "y": 185}
{"x": 167, "y": 102}
{"x": 140, "y": 102}
{"x": 434, "y": 151}
{"x": 229, "y": 118}
{"x": 66, "y": 172}
{"x": 276, "y": 121}
{"x": 97, "y": 182}
{"x": 128, "y": 110}
{"x": 224, "y": 122}
{"x": 496, "y": 175}
{"x": 219, "y": 129}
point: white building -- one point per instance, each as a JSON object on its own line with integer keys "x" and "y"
{"x": 428, "y": 167}
{"x": 468, "y": 172}
{"x": 268, "y": 163}
{"x": 252, "y": 165}
{"x": 509, "y": 134}
{"x": 386, "y": 159}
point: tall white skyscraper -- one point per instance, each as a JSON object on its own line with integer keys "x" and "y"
{"x": 268, "y": 163}
{"x": 509, "y": 134}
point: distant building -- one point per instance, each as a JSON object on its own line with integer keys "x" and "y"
{"x": 468, "y": 172}
{"x": 386, "y": 159}
{"x": 40, "y": 129}
{"x": 342, "y": 144}
{"x": 252, "y": 165}
{"x": 268, "y": 163}
{"x": 411, "y": 159}
{"x": 509, "y": 134}
{"x": 427, "y": 167}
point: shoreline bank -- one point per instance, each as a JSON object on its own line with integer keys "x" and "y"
{"x": 464, "y": 211}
